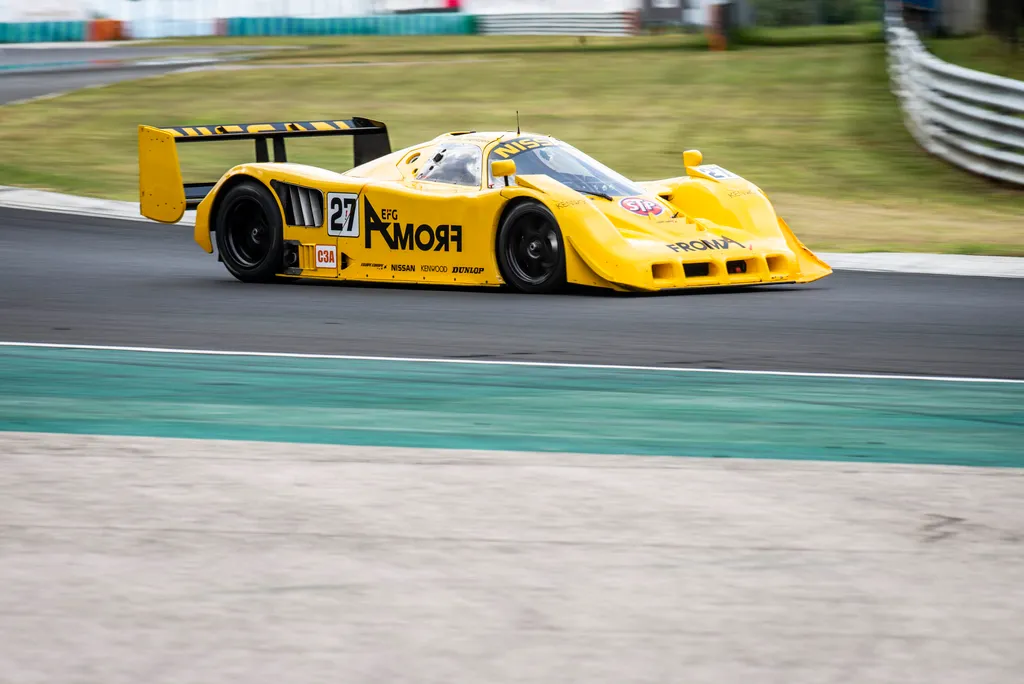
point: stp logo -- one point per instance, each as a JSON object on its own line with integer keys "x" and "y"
{"x": 641, "y": 206}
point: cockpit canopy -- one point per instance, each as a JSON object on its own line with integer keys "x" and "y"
{"x": 461, "y": 163}
{"x": 564, "y": 163}
{"x": 456, "y": 163}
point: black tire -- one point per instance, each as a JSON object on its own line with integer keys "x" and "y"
{"x": 531, "y": 251}
{"x": 249, "y": 232}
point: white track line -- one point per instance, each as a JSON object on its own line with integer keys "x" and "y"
{"x": 482, "y": 362}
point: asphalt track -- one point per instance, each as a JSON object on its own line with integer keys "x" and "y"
{"x": 27, "y": 73}
{"x": 92, "y": 281}
{"x": 53, "y": 54}
{"x": 15, "y": 86}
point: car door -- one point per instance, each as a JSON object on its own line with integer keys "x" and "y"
{"x": 437, "y": 227}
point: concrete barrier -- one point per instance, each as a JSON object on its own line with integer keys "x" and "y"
{"x": 171, "y": 28}
{"x": 43, "y": 31}
{"x": 105, "y": 29}
{"x": 562, "y": 24}
{"x": 969, "y": 118}
{"x": 412, "y": 24}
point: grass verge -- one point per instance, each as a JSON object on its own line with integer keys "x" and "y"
{"x": 982, "y": 53}
{"x": 815, "y": 127}
{"x": 371, "y": 46}
{"x": 866, "y": 32}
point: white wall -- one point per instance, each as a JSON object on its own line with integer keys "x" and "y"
{"x": 542, "y": 6}
{"x": 71, "y": 10}
{"x": 42, "y": 10}
{"x": 67, "y": 10}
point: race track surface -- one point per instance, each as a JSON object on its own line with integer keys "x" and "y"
{"x": 30, "y": 72}
{"x": 27, "y": 56}
{"x": 16, "y": 86}
{"x": 91, "y": 281}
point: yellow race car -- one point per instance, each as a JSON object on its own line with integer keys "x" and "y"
{"x": 469, "y": 208}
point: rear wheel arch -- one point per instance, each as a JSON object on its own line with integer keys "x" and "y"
{"x": 223, "y": 190}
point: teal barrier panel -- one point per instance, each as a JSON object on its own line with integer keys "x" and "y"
{"x": 381, "y": 25}
{"x": 43, "y": 32}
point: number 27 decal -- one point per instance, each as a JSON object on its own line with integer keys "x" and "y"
{"x": 343, "y": 214}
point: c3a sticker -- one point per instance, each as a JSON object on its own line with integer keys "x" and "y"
{"x": 326, "y": 256}
{"x": 509, "y": 149}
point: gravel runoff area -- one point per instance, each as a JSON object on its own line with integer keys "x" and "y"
{"x": 131, "y": 559}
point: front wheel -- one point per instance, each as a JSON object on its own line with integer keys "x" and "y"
{"x": 531, "y": 253}
{"x": 249, "y": 232}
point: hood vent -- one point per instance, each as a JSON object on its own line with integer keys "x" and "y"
{"x": 697, "y": 270}
{"x": 302, "y": 206}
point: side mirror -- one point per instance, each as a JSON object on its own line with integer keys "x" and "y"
{"x": 692, "y": 158}
{"x": 503, "y": 169}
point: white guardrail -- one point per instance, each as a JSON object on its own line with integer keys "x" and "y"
{"x": 969, "y": 118}
{"x": 561, "y": 24}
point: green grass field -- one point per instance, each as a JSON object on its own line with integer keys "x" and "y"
{"x": 450, "y": 45}
{"x": 983, "y": 53}
{"x": 816, "y": 127}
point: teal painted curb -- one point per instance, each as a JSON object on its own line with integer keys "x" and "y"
{"x": 507, "y": 407}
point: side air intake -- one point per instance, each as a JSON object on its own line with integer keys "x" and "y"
{"x": 302, "y": 206}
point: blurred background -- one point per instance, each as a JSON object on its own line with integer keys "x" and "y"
{"x": 824, "y": 103}
{"x": 167, "y": 18}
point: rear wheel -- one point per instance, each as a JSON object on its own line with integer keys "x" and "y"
{"x": 531, "y": 253}
{"x": 249, "y": 232}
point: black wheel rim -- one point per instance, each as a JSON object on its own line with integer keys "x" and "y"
{"x": 248, "y": 234}
{"x": 532, "y": 249}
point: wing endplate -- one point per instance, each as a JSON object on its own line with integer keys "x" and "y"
{"x": 161, "y": 192}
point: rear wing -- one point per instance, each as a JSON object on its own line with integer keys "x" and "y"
{"x": 164, "y": 197}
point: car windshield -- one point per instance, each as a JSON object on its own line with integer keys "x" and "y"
{"x": 565, "y": 164}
